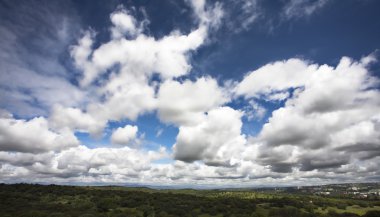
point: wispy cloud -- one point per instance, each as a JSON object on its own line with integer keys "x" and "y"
{"x": 32, "y": 40}
{"x": 295, "y": 9}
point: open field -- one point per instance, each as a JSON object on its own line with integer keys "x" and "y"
{"x": 111, "y": 201}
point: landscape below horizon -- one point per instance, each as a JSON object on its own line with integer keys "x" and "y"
{"x": 344, "y": 200}
{"x": 201, "y": 94}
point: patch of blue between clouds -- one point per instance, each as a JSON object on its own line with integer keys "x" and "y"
{"x": 342, "y": 28}
{"x": 151, "y": 131}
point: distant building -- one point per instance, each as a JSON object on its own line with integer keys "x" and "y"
{"x": 374, "y": 191}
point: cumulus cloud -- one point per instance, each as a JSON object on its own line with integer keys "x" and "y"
{"x": 124, "y": 24}
{"x": 129, "y": 64}
{"x": 186, "y": 103}
{"x": 143, "y": 54}
{"x": 124, "y": 135}
{"x": 33, "y": 136}
{"x": 166, "y": 56}
{"x": 331, "y": 111}
{"x": 76, "y": 120}
{"x": 126, "y": 91}
{"x": 124, "y": 98}
{"x": 105, "y": 161}
{"x": 80, "y": 163}
{"x": 275, "y": 78}
{"x": 82, "y": 51}
{"x": 213, "y": 140}
{"x": 20, "y": 159}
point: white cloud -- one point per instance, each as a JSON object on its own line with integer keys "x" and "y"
{"x": 207, "y": 15}
{"x": 124, "y": 24}
{"x": 31, "y": 91}
{"x": 5, "y": 114}
{"x": 287, "y": 127}
{"x": 275, "y": 78}
{"x": 33, "y": 136}
{"x": 124, "y": 135}
{"x": 159, "y": 131}
{"x": 338, "y": 89}
{"x": 123, "y": 97}
{"x": 142, "y": 55}
{"x": 80, "y": 164}
{"x": 75, "y": 119}
{"x": 249, "y": 11}
{"x": 278, "y": 96}
{"x": 334, "y": 112}
{"x": 124, "y": 161}
{"x": 25, "y": 159}
{"x": 363, "y": 133}
{"x": 254, "y": 111}
{"x": 129, "y": 99}
{"x": 213, "y": 140}
{"x": 186, "y": 103}
{"x": 81, "y": 52}
{"x": 166, "y": 56}
{"x": 125, "y": 92}
{"x": 301, "y": 8}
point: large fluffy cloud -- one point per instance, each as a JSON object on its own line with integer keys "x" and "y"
{"x": 124, "y": 24}
{"x": 81, "y": 163}
{"x": 125, "y": 66}
{"x": 125, "y": 97}
{"x": 75, "y": 119}
{"x": 33, "y": 136}
{"x": 332, "y": 111}
{"x": 186, "y": 103}
{"x": 143, "y": 54}
{"x": 214, "y": 140}
{"x": 275, "y": 78}
{"x": 124, "y": 135}
{"x": 166, "y": 56}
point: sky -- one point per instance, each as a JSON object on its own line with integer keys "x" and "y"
{"x": 193, "y": 93}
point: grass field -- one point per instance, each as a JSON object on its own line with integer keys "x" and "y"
{"x": 351, "y": 209}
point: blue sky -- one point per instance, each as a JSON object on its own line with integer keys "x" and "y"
{"x": 189, "y": 92}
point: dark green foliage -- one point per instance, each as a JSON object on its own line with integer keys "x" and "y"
{"x": 61, "y": 201}
{"x": 372, "y": 214}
